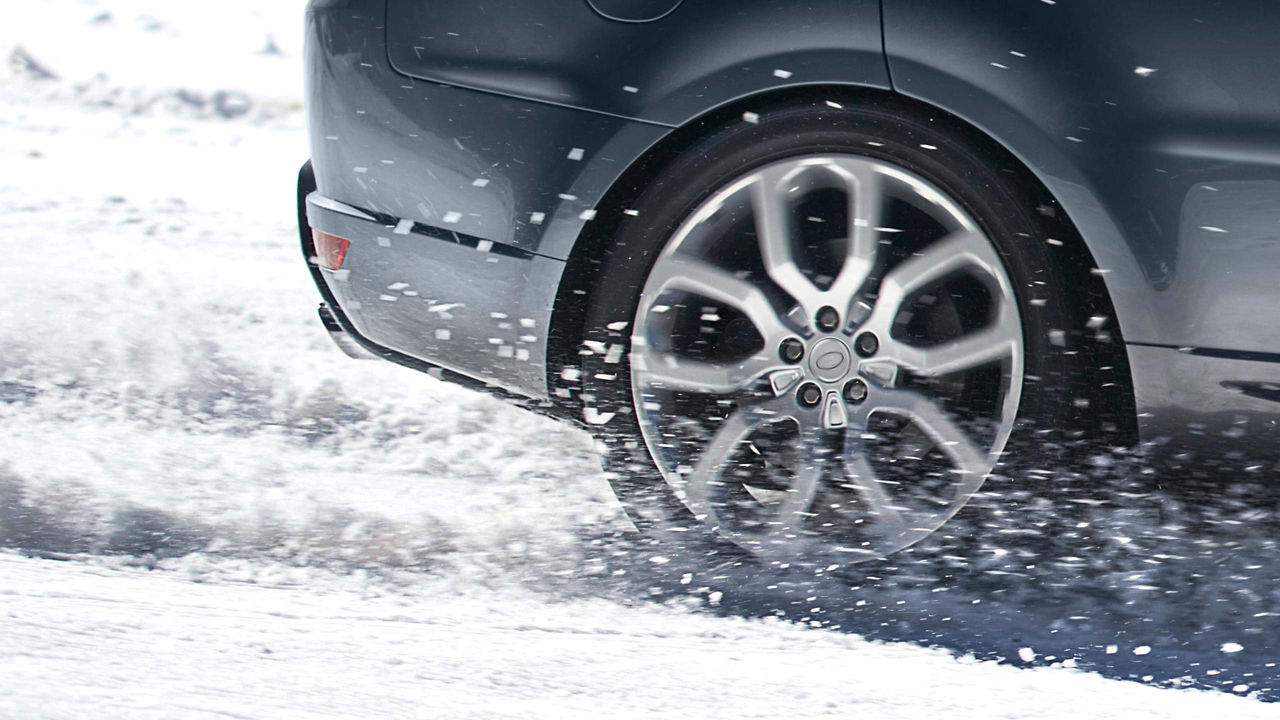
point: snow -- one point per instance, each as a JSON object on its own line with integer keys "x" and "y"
{"x": 214, "y": 641}
{"x": 209, "y": 510}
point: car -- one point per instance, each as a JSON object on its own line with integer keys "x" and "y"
{"x": 812, "y": 273}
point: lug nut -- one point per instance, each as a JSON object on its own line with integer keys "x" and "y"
{"x": 867, "y": 344}
{"x": 808, "y": 395}
{"x": 828, "y": 318}
{"x": 855, "y": 391}
{"x": 791, "y": 350}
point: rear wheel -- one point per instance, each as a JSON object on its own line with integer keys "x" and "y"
{"x": 817, "y": 334}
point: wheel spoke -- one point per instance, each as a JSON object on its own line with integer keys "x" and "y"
{"x": 994, "y": 342}
{"x": 789, "y": 514}
{"x": 937, "y": 423}
{"x": 954, "y": 252}
{"x": 702, "y": 278}
{"x": 732, "y": 431}
{"x": 865, "y": 188}
{"x": 769, "y": 202}
{"x": 862, "y": 478}
{"x": 672, "y": 372}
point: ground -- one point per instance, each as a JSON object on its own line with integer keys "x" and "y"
{"x": 207, "y": 510}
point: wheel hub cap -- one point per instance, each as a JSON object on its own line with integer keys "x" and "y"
{"x": 830, "y": 360}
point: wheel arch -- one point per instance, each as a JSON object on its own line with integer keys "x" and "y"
{"x": 582, "y": 269}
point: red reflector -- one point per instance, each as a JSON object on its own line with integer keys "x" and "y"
{"x": 331, "y": 250}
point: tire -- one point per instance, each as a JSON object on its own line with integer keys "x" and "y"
{"x": 658, "y": 437}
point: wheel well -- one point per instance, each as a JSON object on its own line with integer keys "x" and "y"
{"x": 1113, "y": 410}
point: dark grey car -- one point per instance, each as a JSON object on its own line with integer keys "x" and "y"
{"x": 812, "y": 272}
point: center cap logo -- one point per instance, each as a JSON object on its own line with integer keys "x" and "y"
{"x": 830, "y": 360}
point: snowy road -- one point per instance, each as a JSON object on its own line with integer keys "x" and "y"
{"x": 130, "y": 643}
{"x": 251, "y": 525}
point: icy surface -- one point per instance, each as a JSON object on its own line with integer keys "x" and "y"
{"x": 256, "y": 526}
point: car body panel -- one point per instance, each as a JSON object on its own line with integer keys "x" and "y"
{"x": 487, "y": 165}
{"x": 699, "y": 55}
{"x": 1158, "y": 144}
{"x": 410, "y": 154}
{"x": 1154, "y": 126}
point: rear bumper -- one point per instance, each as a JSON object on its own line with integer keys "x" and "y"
{"x": 353, "y": 341}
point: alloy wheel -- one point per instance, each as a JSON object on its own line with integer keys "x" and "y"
{"x": 827, "y": 352}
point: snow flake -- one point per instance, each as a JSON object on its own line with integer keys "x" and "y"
{"x": 443, "y": 334}
{"x": 1231, "y": 647}
{"x": 587, "y": 215}
{"x": 1212, "y": 228}
{"x": 576, "y": 153}
{"x": 1142, "y": 650}
{"x": 630, "y": 89}
{"x": 835, "y": 105}
{"x": 593, "y": 416}
{"x": 403, "y": 226}
{"x": 1141, "y": 71}
{"x": 751, "y": 117}
{"x": 567, "y": 196}
{"x": 484, "y": 245}
{"x": 784, "y": 74}
{"x": 384, "y": 242}
{"x": 536, "y": 218}
{"x": 452, "y": 216}
{"x": 480, "y": 182}
{"x": 1026, "y": 654}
